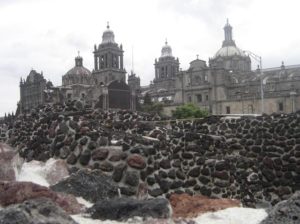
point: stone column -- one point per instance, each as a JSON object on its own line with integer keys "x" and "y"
{"x": 118, "y": 61}
{"x": 121, "y": 62}
{"x": 96, "y": 62}
{"x": 106, "y": 61}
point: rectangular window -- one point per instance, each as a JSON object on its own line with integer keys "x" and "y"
{"x": 69, "y": 95}
{"x": 206, "y": 97}
{"x": 228, "y": 110}
{"x": 199, "y": 98}
{"x": 189, "y": 99}
{"x": 250, "y": 109}
{"x": 280, "y": 106}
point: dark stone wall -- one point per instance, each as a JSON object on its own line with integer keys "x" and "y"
{"x": 254, "y": 159}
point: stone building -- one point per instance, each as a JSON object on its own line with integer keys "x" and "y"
{"x": 108, "y": 60}
{"x": 32, "y": 91}
{"x": 162, "y": 89}
{"x": 105, "y": 87}
{"x": 228, "y": 85}
{"x": 230, "y": 57}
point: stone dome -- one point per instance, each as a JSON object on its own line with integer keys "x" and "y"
{"x": 108, "y": 36}
{"x": 166, "y": 50}
{"x": 228, "y": 51}
{"x": 77, "y": 74}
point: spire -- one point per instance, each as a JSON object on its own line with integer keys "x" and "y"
{"x": 228, "y": 41}
{"x": 132, "y": 61}
{"x": 282, "y": 65}
{"x": 78, "y": 60}
{"x": 107, "y": 25}
{"x": 166, "y": 41}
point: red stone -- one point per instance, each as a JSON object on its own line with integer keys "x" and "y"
{"x": 18, "y": 192}
{"x": 8, "y": 157}
{"x": 56, "y": 170}
{"x": 187, "y": 206}
{"x": 136, "y": 161}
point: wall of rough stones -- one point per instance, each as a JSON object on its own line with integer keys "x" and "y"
{"x": 254, "y": 159}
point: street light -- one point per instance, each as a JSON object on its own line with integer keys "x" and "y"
{"x": 258, "y": 59}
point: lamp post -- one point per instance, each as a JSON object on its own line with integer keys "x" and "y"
{"x": 259, "y": 60}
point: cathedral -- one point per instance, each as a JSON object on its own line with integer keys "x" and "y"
{"x": 104, "y": 87}
{"x": 224, "y": 85}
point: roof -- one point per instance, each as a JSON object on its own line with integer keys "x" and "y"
{"x": 229, "y": 51}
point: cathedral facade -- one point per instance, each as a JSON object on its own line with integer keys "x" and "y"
{"x": 224, "y": 85}
{"x": 227, "y": 85}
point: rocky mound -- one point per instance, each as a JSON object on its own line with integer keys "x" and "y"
{"x": 18, "y": 192}
{"x": 254, "y": 159}
{"x": 287, "y": 212}
{"x": 40, "y": 210}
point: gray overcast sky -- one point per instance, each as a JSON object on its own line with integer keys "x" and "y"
{"x": 46, "y": 34}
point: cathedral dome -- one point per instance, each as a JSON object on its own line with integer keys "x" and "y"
{"x": 108, "y": 36}
{"x": 228, "y": 51}
{"x": 166, "y": 50}
{"x": 78, "y": 74}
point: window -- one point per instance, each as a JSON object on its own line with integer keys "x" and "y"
{"x": 69, "y": 96}
{"x": 280, "y": 106}
{"x": 189, "y": 99}
{"x": 250, "y": 109}
{"x": 162, "y": 74}
{"x": 206, "y": 98}
{"x": 228, "y": 110}
{"x": 199, "y": 98}
{"x": 82, "y": 95}
{"x": 205, "y": 78}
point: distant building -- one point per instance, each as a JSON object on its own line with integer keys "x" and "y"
{"x": 105, "y": 87}
{"x": 226, "y": 85}
{"x": 32, "y": 91}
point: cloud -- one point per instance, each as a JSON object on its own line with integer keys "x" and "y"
{"x": 46, "y": 34}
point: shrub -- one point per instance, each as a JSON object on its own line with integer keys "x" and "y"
{"x": 189, "y": 111}
{"x": 153, "y": 108}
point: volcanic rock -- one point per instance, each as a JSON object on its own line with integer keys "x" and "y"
{"x": 56, "y": 170}
{"x": 125, "y": 208}
{"x": 100, "y": 154}
{"x": 9, "y": 160}
{"x": 287, "y": 212}
{"x": 18, "y": 192}
{"x": 184, "y": 205}
{"x": 136, "y": 161}
{"x": 91, "y": 185}
{"x": 37, "y": 211}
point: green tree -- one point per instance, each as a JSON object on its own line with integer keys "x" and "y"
{"x": 189, "y": 111}
{"x": 147, "y": 99}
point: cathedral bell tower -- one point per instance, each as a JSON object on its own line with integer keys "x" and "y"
{"x": 108, "y": 60}
{"x": 166, "y": 66}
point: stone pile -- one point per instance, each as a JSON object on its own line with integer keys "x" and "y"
{"x": 253, "y": 159}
